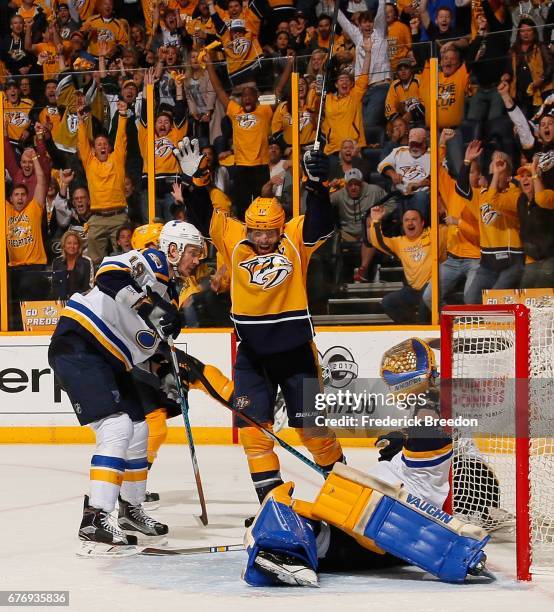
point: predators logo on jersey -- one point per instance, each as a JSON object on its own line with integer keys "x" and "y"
{"x": 105, "y": 35}
{"x": 18, "y": 118}
{"x": 163, "y": 147}
{"x": 247, "y": 121}
{"x": 267, "y": 271}
{"x": 488, "y": 214}
{"x": 240, "y": 46}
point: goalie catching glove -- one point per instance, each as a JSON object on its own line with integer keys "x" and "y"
{"x": 161, "y": 316}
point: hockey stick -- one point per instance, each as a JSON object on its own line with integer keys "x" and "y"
{"x": 185, "y": 410}
{"x": 257, "y": 424}
{"x": 317, "y": 143}
{"x": 166, "y": 552}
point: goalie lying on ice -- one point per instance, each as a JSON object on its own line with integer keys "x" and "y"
{"x": 363, "y": 521}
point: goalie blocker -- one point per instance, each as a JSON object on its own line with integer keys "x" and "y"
{"x": 379, "y": 516}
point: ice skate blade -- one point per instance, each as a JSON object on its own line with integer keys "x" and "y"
{"x": 153, "y": 505}
{"x": 145, "y": 540}
{"x": 99, "y": 550}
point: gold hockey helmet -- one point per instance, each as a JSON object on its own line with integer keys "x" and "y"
{"x": 265, "y": 214}
{"x": 146, "y": 235}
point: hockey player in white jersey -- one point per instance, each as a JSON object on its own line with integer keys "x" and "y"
{"x": 99, "y": 338}
{"x": 390, "y": 515}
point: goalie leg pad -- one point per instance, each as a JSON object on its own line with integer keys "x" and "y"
{"x": 278, "y": 528}
{"x": 385, "y": 516}
{"x": 157, "y": 432}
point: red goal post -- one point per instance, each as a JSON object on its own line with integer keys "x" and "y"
{"x": 499, "y": 478}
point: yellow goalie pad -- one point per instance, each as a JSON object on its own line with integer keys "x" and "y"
{"x": 346, "y": 502}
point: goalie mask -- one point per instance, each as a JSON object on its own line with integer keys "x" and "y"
{"x": 182, "y": 235}
{"x": 409, "y": 367}
{"x": 146, "y": 235}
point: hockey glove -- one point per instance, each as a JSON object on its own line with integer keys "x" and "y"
{"x": 161, "y": 316}
{"x": 316, "y": 164}
{"x": 189, "y": 157}
{"x": 389, "y": 445}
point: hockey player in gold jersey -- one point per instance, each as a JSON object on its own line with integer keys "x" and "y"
{"x": 268, "y": 260}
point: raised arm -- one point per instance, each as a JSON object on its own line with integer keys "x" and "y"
{"x": 41, "y": 188}
{"x": 319, "y": 220}
{"x": 198, "y": 202}
{"x": 463, "y": 186}
{"x": 216, "y": 84}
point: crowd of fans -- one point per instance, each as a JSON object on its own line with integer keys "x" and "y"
{"x": 75, "y": 72}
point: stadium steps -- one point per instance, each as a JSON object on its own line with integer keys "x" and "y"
{"x": 361, "y": 299}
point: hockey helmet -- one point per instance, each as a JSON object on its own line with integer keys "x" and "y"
{"x": 181, "y": 234}
{"x": 146, "y": 235}
{"x": 265, "y": 214}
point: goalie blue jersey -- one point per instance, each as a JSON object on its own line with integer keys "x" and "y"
{"x": 105, "y": 316}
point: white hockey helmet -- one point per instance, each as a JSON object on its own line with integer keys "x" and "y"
{"x": 181, "y": 234}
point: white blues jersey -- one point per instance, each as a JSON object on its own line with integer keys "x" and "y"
{"x": 105, "y": 316}
{"x": 423, "y": 470}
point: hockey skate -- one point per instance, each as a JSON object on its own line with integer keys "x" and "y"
{"x": 134, "y": 521}
{"x": 100, "y": 537}
{"x": 286, "y": 569}
{"x": 151, "y": 501}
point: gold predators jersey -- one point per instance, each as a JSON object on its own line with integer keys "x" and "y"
{"x": 18, "y": 117}
{"x": 269, "y": 305}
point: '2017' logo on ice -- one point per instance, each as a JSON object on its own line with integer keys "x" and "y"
{"x": 338, "y": 367}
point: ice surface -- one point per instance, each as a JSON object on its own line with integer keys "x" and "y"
{"x": 40, "y": 511}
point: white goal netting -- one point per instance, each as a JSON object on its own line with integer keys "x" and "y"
{"x": 483, "y": 369}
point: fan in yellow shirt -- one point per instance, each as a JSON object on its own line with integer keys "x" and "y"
{"x": 104, "y": 27}
{"x": 413, "y": 249}
{"x": 343, "y": 110}
{"x": 26, "y": 254}
{"x": 453, "y": 87}
{"x": 105, "y": 171}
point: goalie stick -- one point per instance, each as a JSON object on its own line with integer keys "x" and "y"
{"x": 166, "y": 552}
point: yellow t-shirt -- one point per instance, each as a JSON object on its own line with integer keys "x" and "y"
{"x": 51, "y": 67}
{"x": 451, "y": 98}
{"x": 414, "y": 254}
{"x": 343, "y": 117}
{"x": 250, "y": 134}
{"x": 106, "y": 180}
{"x": 399, "y": 39}
{"x": 462, "y": 239}
{"x": 25, "y": 246}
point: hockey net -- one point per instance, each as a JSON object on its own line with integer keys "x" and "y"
{"x": 501, "y": 362}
